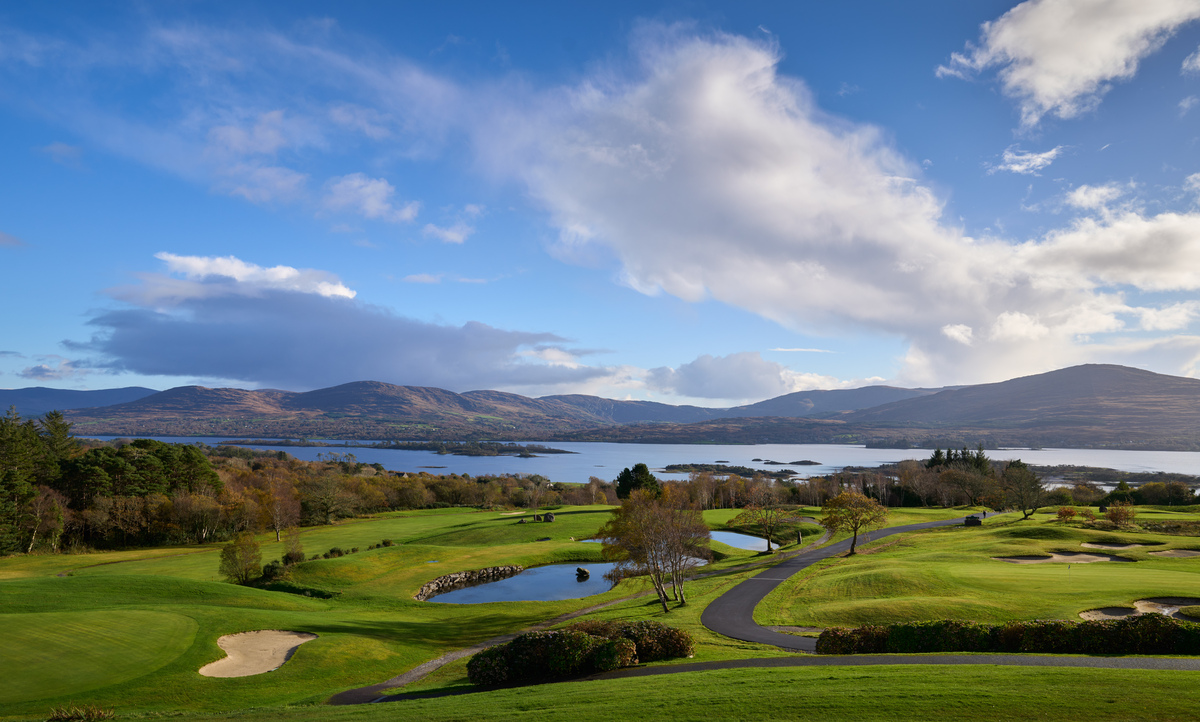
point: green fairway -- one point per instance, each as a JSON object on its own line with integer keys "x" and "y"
{"x": 951, "y": 573}
{"x": 82, "y": 651}
{"x": 820, "y": 693}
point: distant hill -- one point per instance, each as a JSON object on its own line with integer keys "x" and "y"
{"x": 1084, "y": 406}
{"x": 35, "y": 401}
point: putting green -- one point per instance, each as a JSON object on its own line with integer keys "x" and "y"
{"x": 54, "y": 654}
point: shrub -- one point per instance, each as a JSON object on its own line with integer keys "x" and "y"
{"x": 354, "y": 550}
{"x": 489, "y": 667}
{"x": 335, "y": 552}
{"x": 386, "y": 543}
{"x": 1121, "y": 513}
{"x": 273, "y": 570}
{"x": 291, "y": 557}
{"x": 1087, "y": 514}
{"x": 868, "y": 639}
{"x": 609, "y": 654}
{"x": 1066, "y": 513}
{"x": 939, "y": 636}
{"x": 652, "y": 640}
{"x": 86, "y": 713}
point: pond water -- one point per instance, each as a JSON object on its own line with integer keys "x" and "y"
{"x": 740, "y": 541}
{"x": 539, "y": 584}
{"x": 606, "y": 460}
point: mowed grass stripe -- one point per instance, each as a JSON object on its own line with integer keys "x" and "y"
{"x": 57, "y": 653}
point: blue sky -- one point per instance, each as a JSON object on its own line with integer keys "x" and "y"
{"x": 689, "y": 202}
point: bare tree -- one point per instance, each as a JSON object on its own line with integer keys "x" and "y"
{"x": 769, "y": 519}
{"x": 653, "y": 536}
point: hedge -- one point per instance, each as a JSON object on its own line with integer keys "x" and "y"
{"x": 1141, "y": 634}
{"x": 653, "y": 640}
{"x": 583, "y": 648}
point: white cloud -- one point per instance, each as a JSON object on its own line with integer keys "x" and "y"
{"x": 54, "y": 368}
{"x": 196, "y": 277}
{"x": 370, "y": 197}
{"x": 367, "y": 121}
{"x": 1175, "y": 317}
{"x": 1094, "y": 197}
{"x": 1192, "y": 183}
{"x": 959, "y": 332}
{"x": 1061, "y": 56}
{"x": 456, "y": 233}
{"x": 422, "y": 278}
{"x": 736, "y": 377}
{"x": 803, "y": 350}
{"x": 708, "y": 175}
{"x": 1026, "y": 162}
{"x": 1191, "y": 64}
{"x": 263, "y": 184}
{"x": 1187, "y": 104}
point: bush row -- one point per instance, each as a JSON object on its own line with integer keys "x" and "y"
{"x": 583, "y": 648}
{"x": 1142, "y": 634}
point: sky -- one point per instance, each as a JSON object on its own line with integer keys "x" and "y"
{"x": 689, "y": 202}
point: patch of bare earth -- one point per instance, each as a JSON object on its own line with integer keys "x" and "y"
{"x": 251, "y": 653}
{"x": 1169, "y": 606}
{"x": 1063, "y": 557}
{"x": 1176, "y": 553}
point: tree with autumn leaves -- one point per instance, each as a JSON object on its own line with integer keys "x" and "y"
{"x": 852, "y": 512}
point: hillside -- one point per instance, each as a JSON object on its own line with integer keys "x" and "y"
{"x": 1082, "y": 406}
{"x": 37, "y": 400}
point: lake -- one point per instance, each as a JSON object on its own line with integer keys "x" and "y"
{"x": 606, "y": 460}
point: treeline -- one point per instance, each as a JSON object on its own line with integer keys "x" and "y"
{"x": 58, "y": 493}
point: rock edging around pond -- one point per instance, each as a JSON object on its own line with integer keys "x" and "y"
{"x": 458, "y": 580}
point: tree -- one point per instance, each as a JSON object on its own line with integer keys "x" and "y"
{"x": 651, "y": 535}
{"x": 241, "y": 559}
{"x": 639, "y": 477}
{"x": 1022, "y": 488}
{"x": 1121, "y": 513}
{"x": 767, "y": 518}
{"x": 851, "y": 511}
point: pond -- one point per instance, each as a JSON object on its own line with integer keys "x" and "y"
{"x": 740, "y": 541}
{"x": 539, "y": 584}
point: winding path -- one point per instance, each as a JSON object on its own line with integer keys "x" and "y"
{"x": 732, "y": 613}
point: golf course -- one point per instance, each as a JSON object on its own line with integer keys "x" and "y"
{"x": 129, "y": 631}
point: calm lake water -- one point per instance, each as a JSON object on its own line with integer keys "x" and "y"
{"x": 539, "y": 584}
{"x": 740, "y": 541}
{"x": 606, "y": 460}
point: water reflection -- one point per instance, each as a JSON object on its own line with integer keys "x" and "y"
{"x": 539, "y": 584}
{"x": 740, "y": 541}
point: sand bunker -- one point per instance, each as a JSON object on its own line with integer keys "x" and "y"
{"x": 1109, "y": 545}
{"x": 510, "y": 513}
{"x": 1169, "y": 606}
{"x": 1176, "y": 553}
{"x": 1065, "y": 557}
{"x": 255, "y": 652}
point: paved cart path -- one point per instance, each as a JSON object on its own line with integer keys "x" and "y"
{"x": 732, "y": 613}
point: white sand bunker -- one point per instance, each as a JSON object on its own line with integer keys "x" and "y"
{"x": 1109, "y": 545}
{"x": 1176, "y": 553}
{"x": 255, "y": 652}
{"x": 1066, "y": 557}
{"x": 1169, "y": 606}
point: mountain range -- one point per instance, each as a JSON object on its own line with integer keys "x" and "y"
{"x": 1082, "y": 406}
